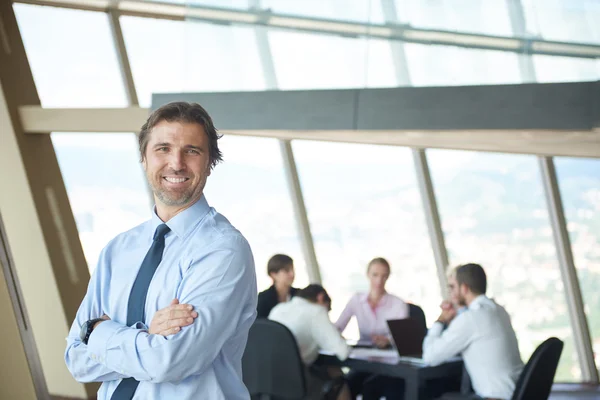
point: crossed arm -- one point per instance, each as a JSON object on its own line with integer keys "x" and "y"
{"x": 217, "y": 293}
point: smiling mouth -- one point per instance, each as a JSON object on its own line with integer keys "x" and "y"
{"x": 171, "y": 179}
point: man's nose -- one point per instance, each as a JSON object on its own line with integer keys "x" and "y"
{"x": 176, "y": 161}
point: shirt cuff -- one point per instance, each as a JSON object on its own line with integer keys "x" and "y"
{"x": 98, "y": 340}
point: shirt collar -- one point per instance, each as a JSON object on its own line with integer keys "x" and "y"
{"x": 478, "y": 302}
{"x": 364, "y": 298}
{"x": 185, "y": 221}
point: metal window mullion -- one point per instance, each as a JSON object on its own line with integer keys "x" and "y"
{"x": 519, "y": 29}
{"x": 401, "y": 69}
{"x": 287, "y": 154}
{"x": 122, "y": 57}
{"x": 308, "y": 247}
{"x": 126, "y": 74}
{"x": 581, "y": 333}
{"x": 432, "y": 217}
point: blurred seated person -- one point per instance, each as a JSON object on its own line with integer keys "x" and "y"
{"x": 482, "y": 335}
{"x": 375, "y": 387}
{"x": 452, "y": 304}
{"x": 281, "y": 270}
{"x": 372, "y": 310}
{"x": 307, "y": 317}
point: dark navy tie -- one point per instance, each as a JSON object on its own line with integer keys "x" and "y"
{"x": 137, "y": 300}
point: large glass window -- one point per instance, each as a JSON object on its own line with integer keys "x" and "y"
{"x": 186, "y": 56}
{"x": 250, "y": 189}
{"x": 565, "y": 69}
{"x": 72, "y": 57}
{"x": 357, "y": 11}
{"x": 431, "y": 65}
{"x": 563, "y": 20}
{"x": 363, "y": 202}
{"x": 493, "y": 212}
{"x": 579, "y": 182}
{"x": 105, "y": 184}
{"x": 490, "y": 16}
{"x": 310, "y": 61}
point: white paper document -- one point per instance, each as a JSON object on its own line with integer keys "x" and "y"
{"x": 363, "y": 353}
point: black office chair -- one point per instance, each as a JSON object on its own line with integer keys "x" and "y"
{"x": 535, "y": 382}
{"x": 416, "y": 312}
{"x": 271, "y": 365}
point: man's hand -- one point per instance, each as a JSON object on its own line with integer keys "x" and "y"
{"x": 448, "y": 313}
{"x": 381, "y": 341}
{"x": 446, "y": 305}
{"x": 171, "y": 319}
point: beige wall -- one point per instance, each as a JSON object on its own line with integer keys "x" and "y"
{"x": 47, "y": 257}
{"x": 32, "y": 264}
{"x": 15, "y": 377}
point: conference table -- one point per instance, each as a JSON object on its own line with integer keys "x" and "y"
{"x": 387, "y": 362}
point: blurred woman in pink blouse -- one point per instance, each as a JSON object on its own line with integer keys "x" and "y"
{"x": 374, "y": 308}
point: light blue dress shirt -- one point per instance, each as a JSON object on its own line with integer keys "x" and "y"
{"x": 206, "y": 263}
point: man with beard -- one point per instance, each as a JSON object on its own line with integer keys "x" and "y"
{"x": 482, "y": 334}
{"x": 169, "y": 306}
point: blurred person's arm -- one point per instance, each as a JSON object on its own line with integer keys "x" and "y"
{"x": 441, "y": 345}
{"x": 264, "y": 306}
{"x": 328, "y": 337}
{"x": 345, "y": 316}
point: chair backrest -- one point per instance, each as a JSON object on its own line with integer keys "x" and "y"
{"x": 416, "y": 312}
{"x": 535, "y": 382}
{"x": 271, "y": 364}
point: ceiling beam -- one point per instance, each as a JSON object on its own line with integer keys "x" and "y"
{"x": 38, "y": 120}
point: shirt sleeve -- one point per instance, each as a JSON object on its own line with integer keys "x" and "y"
{"x": 82, "y": 367}
{"x": 221, "y": 286}
{"x": 327, "y": 336}
{"x": 345, "y": 316}
{"x": 441, "y": 345}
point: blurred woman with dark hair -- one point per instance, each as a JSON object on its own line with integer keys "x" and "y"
{"x": 281, "y": 270}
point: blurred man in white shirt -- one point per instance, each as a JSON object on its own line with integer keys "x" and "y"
{"x": 482, "y": 334}
{"x": 306, "y": 316}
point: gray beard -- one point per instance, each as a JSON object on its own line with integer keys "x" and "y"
{"x": 167, "y": 200}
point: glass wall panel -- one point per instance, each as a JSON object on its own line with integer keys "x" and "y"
{"x": 177, "y": 56}
{"x": 310, "y": 61}
{"x": 363, "y": 202}
{"x": 211, "y": 3}
{"x": 490, "y": 16}
{"x": 250, "y": 189}
{"x": 579, "y": 182}
{"x": 431, "y": 65}
{"x": 563, "y": 20}
{"x": 72, "y": 57}
{"x": 565, "y": 69}
{"x": 105, "y": 184}
{"x": 346, "y": 10}
{"x": 494, "y": 213}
